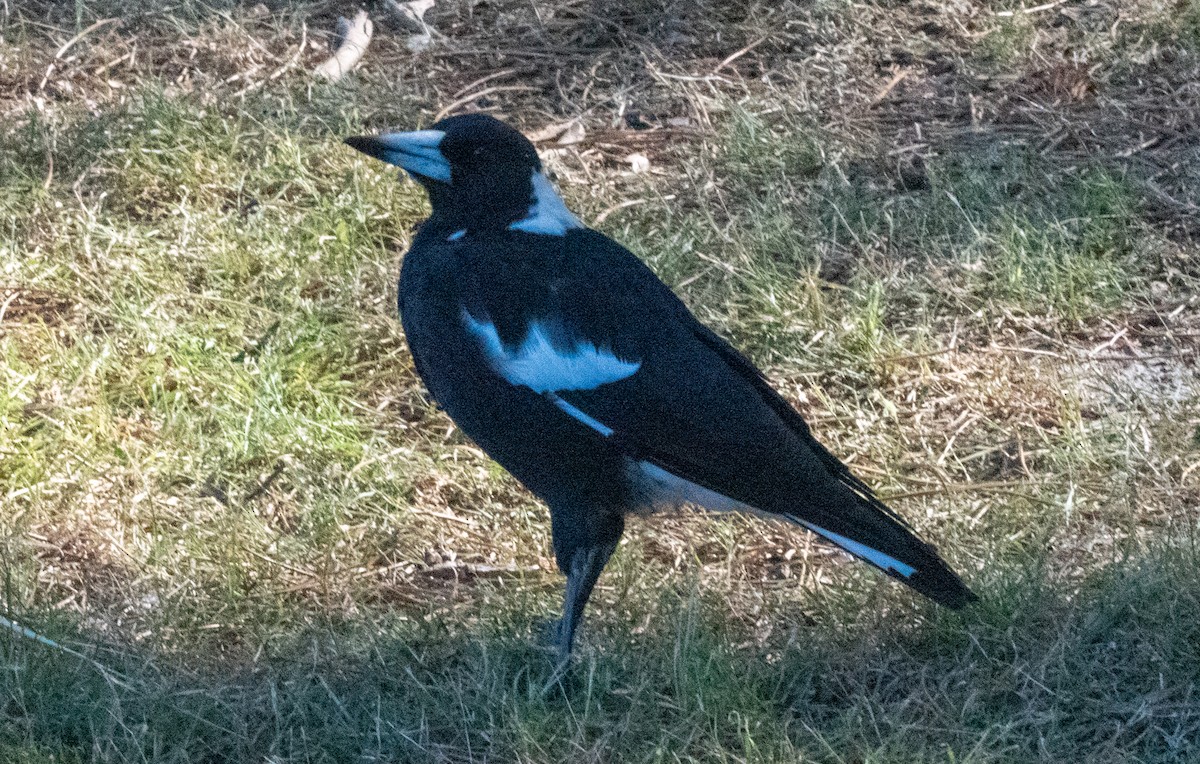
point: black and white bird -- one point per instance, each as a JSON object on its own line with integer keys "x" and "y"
{"x": 563, "y": 355}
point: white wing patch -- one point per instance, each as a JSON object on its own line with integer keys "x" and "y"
{"x": 574, "y": 411}
{"x": 537, "y": 364}
{"x": 664, "y": 489}
{"x": 548, "y": 214}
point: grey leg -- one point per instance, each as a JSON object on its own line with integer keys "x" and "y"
{"x": 585, "y": 569}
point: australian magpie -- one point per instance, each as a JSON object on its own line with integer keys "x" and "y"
{"x": 563, "y": 355}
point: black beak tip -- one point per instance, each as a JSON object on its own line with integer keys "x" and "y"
{"x": 367, "y": 144}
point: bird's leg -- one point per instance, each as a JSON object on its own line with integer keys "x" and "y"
{"x": 586, "y": 565}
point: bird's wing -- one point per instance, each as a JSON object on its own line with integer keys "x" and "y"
{"x": 608, "y": 344}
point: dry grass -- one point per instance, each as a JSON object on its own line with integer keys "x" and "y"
{"x": 959, "y": 235}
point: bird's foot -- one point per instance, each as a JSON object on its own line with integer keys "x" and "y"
{"x": 562, "y": 669}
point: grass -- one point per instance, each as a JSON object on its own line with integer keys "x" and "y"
{"x": 1026, "y": 675}
{"x": 249, "y": 536}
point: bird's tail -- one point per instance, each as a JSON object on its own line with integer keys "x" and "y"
{"x": 872, "y": 532}
{"x": 844, "y": 510}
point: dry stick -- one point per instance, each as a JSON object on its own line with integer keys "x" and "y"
{"x": 479, "y": 94}
{"x": 295, "y": 59}
{"x": 101, "y": 71}
{"x": 71, "y": 43}
{"x": 1034, "y": 9}
{"x": 482, "y": 81}
{"x": 896, "y": 79}
{"x": 12, "y": 296}
{"x": 477, "y": 570}
{"x": 604, "y": 215}
{"x": 916, "y": 356}
{"x": 996, "y": 486}
{"x": 352, "y": 48}
{"x": 738, "y": 54}
{"x": 283, "y": 69}
{"x": 49, "y": 164}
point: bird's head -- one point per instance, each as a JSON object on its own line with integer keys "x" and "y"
{"x": 479, "y": 173}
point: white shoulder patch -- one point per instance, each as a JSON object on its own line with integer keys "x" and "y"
{"x": 548, "y": 214}
{"x": 574, "y": 412}
{"x": 537, "y": 364}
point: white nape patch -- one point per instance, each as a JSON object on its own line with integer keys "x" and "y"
{"x": 873, "y": 556}
{"x": 457, "y": 235}
{"x": 548, "y": 214}
{"x": 543, "y": 368}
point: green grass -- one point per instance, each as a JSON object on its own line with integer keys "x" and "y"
{"x": 226, "y": 497}
{"x": 1027, "y": 674}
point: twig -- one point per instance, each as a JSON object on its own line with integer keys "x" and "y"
{"x": 996, "y": 486}
{"x": 353, "y": 46}
{"x": 1143, "y": 357}
{"x": 12, "y": 296}
{"x": 628, "y": 203}
{"x": 265, "y": 485}
{"x": 738, "y": 54}
{"x": 442, "y": 515}
{"x": 1109, "y": 343}
{"x": 1034, "y": 9}
{"x": 283, "y": 68}
{"x": 916, "y": 356}
{"x": 458, "y": 570}
{"x": 481, "y": 81}
{"x": 102, "y": 70}
{"x": 69, "y": 44}
{"x": 479, "y": 94}
{"x": 49, "y": 165}
{"x": 296, "y": 57}
{"x": 1029, "y": 351}
{"x": 896, "y": 79}
{"x": 1164, "y": 196}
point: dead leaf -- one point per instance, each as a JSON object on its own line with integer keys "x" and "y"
{"x": 574, "y": 134}
{"x": 549, "y": 132}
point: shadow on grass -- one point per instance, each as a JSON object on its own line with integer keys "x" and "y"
{"x": 1108, "y": 673}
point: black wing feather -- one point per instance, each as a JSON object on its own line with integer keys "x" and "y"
{"x": 788, "y": 414}
{"x": 696, "y": 408}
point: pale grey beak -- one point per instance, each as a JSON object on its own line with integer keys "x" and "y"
{"x": 416, "y": 151}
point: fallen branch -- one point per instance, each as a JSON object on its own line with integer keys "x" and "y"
{"x": 356, "y": 36}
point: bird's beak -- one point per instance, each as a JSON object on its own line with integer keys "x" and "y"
{"x": 417, "y": 152}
